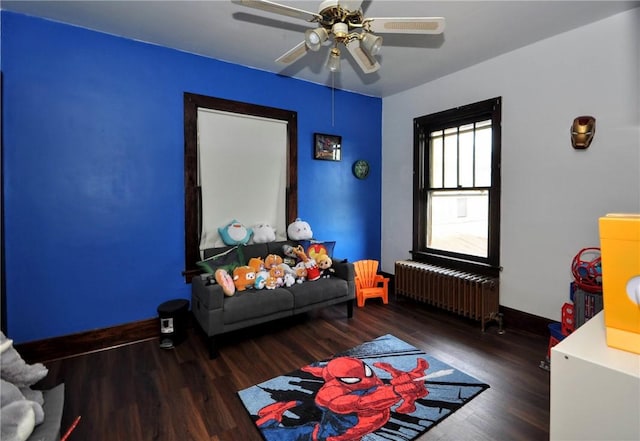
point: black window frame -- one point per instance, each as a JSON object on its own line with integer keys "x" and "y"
{"x": 490, "y": 109}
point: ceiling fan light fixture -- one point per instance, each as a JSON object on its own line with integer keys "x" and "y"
{"x": 340, "y": 30}
{"x": 315, "y": 37}
{"x": 334, "y": 60}
{"x": 371, "y": 43}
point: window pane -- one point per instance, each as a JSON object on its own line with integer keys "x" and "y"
{"x": 483, "y": 154}
{"x": 451, "y": 158}
{"x": 458, "y": 222}
{"x": 466, "y": 155}
{"x": 435, "y": 160}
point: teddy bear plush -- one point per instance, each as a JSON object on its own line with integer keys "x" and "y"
{"x": 244, "y": 277}
{"x": 20, "y": 406}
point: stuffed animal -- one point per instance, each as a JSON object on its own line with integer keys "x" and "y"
{"x": 324, "y": 263}
{"x": 18, "y": 415}
{"x": 261, "y": 279}
{"x": 300, "y": 254}
{"x": 287, "y": 269}
{"x": 272, "y": 260}
{"x": 290, "y": 257}
{"x": 271, "y": 283}
{"x": 299, "y": 230}
{"x": 224, "y": 279}
{"x": 263, "y": 233}
{"x": 301, "y": 272}
{"x": 289, "y": 280}
{"x": 278, "y": 273}
{"x": 257, "y": 264}
{"x": 20, "y": 406}
{"x": 243, "y": 277}
{"x": 313, "y": 273}
{"x": 234, "y": 233}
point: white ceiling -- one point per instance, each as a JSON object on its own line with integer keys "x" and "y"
{"x": 475, "y": 31}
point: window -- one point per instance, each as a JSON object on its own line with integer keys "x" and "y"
{"x": 457, "y": 187}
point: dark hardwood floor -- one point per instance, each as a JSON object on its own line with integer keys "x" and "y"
{"x": 142, "y": 392}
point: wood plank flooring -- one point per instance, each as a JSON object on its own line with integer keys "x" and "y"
{"x": 140, "y": 392}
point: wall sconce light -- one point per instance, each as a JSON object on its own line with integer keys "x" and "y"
{"x": 583, "y": 130}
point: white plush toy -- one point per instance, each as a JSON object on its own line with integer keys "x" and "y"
{"x": 19, "y": 415}
{"x": 299, "y": 230}
{"x": 20, "y": 406}
{"x": 263, "y": 233}
{"x": 289, "y": 280}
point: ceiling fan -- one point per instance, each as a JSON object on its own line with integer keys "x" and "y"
{"x": 346, "y": 26}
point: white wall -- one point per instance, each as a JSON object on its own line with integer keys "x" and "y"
{"x": 552, "y": 195}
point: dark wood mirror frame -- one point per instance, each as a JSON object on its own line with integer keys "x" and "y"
{"x": 192, "y": 211}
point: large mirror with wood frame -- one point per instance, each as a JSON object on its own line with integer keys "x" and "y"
{"x": 240, "y": 164}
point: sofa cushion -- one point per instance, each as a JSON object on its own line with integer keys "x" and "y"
{"x": 249, "y": 304}
{"x": 309, "y": 293}
{"x": 254, "y": 250}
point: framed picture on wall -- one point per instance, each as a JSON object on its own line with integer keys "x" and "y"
{"x": 327, "y": 147}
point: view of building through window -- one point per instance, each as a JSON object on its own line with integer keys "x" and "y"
{"x": 458, "y": 192}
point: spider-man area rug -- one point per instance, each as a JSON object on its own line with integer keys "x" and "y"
{"x": 382, "y": 390}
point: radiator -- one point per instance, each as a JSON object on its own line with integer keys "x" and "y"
{"x": 465, "y": 294}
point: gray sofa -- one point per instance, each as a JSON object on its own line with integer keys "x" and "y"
{"x": 217, "y": 314}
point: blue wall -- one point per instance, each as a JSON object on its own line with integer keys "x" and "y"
{"x": 93, "y": 171}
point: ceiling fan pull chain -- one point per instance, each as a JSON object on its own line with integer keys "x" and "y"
{"x": 333, "y": 91}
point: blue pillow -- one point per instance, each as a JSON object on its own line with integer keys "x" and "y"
{"x": 313, "y": 248}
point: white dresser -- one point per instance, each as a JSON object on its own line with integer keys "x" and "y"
{"x": 595, "y": 389}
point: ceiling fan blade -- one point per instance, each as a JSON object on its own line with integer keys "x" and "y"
{"x": 406, "y": 25}
{"x": 277, "y": 8}
{"x": 366, "y": 63}
{"x": 351, "y": 5}
{"x": 293, "y": 54}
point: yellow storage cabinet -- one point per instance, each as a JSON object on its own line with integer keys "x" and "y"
{"x": 620, "y": 254}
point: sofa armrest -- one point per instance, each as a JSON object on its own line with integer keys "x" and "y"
{"x": 343, "y": 269}
{"x": 49, "y": 429}
{"x": 211, "y": 295}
